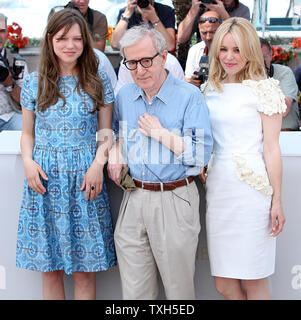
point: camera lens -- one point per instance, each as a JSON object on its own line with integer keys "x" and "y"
{"x": 143, "y": 4}
{"x": 3, "y": 71}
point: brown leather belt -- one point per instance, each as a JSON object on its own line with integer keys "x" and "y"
{"x": 163, "y": 186}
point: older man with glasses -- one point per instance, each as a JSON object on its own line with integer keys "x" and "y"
{"x": 208, "y": 24}
{"x": 164, "y": 139}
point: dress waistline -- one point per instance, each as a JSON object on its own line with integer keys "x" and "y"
{"x": 64, "y": 149}
{"x": 231, "y": 154}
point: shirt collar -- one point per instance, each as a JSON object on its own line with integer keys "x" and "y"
{"x": 164, "y": 93}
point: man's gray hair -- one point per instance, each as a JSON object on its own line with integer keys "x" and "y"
{"x": 135, "y": 34}
{"x": 3, "y": 18}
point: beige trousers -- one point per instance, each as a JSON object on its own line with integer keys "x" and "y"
{"x": 158, "y": 231}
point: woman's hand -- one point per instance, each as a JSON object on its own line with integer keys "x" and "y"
{"x": 32, "y": 173}
{"x": 278, "y": 219}
{"x": 93, "y": 180}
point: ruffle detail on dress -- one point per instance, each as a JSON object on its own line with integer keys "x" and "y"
{"x": 271, "y": 97}
{"x": 259, "y": 181}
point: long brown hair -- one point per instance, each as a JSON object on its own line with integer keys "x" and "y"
{"x": 49, "y": 69}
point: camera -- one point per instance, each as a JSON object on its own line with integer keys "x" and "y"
{"x": 143, "y": 4}
{"x": 202, "y": 74}
{"x": 203, "y": 3}
{"x": 4, "y": 70}
{"x": 17, "y": 70}
{"x": 208, "y": 1}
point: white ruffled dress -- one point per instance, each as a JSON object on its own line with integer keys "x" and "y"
{"x": 238, "y": 189}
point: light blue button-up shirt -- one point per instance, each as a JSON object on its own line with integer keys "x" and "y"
{"x": 180, "y": 108}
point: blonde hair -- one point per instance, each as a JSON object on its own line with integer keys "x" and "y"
{"x": 49, "y": 69}
{"x": 249, "y": 47}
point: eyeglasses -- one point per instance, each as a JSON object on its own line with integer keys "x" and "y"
{"x": 145, "y": 62}
{"x": 209, "y": 19}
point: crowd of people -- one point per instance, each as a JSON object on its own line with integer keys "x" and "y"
{"x": 158, "y": 128}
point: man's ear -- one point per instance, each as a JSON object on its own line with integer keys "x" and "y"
{"x": 164, "y": 56}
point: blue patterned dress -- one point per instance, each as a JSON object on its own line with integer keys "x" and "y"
{"x": 60, "y": 230}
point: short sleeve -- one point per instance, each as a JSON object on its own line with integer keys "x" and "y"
{"x": 245, "y": 13}
{"x": 166, "y": 15}
{"x": 119, "y": 15}
{"x": 107, "y": 87}
{"x": 271, "y": 97}
{"x": 100, "y": 26}
{"x": 28, "y": 98}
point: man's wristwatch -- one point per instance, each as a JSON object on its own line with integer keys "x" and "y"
{"x": 123, "y": 17}
{"x": 10, "y": 88}
{"x": 155, "y": 23}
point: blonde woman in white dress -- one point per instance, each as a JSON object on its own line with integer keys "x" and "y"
{"x": 244, "y": 211}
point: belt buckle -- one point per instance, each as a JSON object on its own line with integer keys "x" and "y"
{"x": 161, "y": 186}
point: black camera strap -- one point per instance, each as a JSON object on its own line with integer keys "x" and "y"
{"x": 205, "y": 53}
{"x": 90, "y": 19}
{"x": 270, "y": 70}
{"x": 3, "y": 57}
{"x": 4, "y": 53}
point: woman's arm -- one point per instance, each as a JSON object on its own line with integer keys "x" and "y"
{"x": 104, "y": 134}
{"x": 116, "y": 161}
{"x": 32, "y": 169}
{"x": 272, "y": 157}
{"x": 94, "y": 175}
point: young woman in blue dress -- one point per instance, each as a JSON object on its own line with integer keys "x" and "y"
{"x": 65, "y": 224}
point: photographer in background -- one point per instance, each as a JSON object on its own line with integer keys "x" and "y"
{"x": 196, "y": 71}
{"x": 13, "y": 69}
{"x": 288, "y": 85}
{"x": 96, "y": 20}
{"x": 160, "y": 16}
{"x": 224, "y": 8}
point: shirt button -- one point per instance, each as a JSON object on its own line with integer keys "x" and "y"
{"x": 143, "y": 173}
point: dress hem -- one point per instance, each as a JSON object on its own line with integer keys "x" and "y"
{"x": 68, "y": 273}
{"x": 244, "y": 277}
